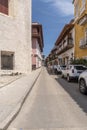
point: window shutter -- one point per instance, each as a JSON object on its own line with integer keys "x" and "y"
{"x": 4, "y": 6}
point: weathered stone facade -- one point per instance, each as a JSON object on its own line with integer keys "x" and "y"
{"x": 15, "y": 34}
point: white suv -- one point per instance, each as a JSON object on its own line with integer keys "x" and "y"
{"x": 83, "y": 82}
{"x": 73, "y": 71}
{"x": 60, "y": 68}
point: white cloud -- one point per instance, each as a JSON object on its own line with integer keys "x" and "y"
{"x": 65, "y": 7}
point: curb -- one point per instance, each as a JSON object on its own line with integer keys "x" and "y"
{"x": 10, "y": 82}
{"x": 4, "y": 125}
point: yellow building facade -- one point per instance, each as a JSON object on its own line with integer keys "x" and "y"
{"x": 80, "y": 12}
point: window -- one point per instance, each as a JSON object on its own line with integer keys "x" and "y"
{"x": 33, "y": 67}
{"x": 80, "y": 67}
{"x": 7, "y": 60}
{"x": 4, "y": 6}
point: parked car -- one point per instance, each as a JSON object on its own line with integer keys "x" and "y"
{"x": 55, "y": 69}
{"x": 60, "y": 68}
{"x": 73, "y": 71}
{"x": 83, "y": 82}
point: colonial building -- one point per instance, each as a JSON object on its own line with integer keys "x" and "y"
{"x": 37, "y": 45}
{"x": 63, "y": 50}
{"x": 80, "y": 9}
{"x": 65, "y": 44}
{"x": 53, "y": 56}
{"x": 15, "y": 36}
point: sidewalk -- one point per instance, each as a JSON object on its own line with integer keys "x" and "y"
{"x": 13, "y": 95}
{"x": 5, "y": 80}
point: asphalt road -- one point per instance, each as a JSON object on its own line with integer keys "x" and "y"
{"x": 53, "y": 104}
{"x": 72, "y": 88}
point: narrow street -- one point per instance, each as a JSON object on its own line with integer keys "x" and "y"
{"x": 53, "y": 104}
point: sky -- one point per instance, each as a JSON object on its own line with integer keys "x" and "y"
{"x": 53, "y": 15}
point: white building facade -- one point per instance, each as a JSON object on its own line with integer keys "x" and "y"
{"x": 15, "y": 37}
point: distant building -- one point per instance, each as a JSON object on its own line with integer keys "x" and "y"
{"x": 37, "y": 45}
{"x": 43, "y": 60}
{"x": 63, "y": 51}
{"x": 80, "y": 12}
{"x": 65, "y": 44}
{"x": 15, "y": 36}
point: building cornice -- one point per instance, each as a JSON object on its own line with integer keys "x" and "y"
{"x": 64, "y": 32}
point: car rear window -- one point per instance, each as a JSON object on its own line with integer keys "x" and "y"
{"x": 80, "y": 67}
{"x": 63, "y": 66}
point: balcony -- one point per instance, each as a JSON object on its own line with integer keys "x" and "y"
{"x": 69, "y": 44}
{"x": 82, "y": 20}
{"x": 36, "y": 34}
{"x": 83, "y": 43}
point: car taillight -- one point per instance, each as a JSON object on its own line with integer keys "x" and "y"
{"x": 72, "y": 70}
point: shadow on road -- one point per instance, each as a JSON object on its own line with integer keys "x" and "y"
{"x": 50, "y": 72}
{"x": 73, "y": 90}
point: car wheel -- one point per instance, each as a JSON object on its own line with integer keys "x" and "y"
{"x": 68, "y": 78}
{"x": 82, "y": 86}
